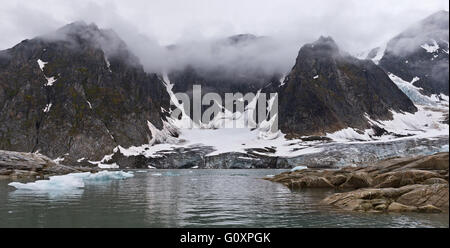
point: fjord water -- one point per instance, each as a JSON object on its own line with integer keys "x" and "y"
{"x": 189, "y": 198}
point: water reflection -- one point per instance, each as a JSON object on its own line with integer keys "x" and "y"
{"x": 190, "y": 198}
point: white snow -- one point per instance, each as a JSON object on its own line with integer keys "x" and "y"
{"x": 81, "y": 159}
{"x": 47, "y": 108}
{"x": 380, "y": 54}
{"x": 431, "y": 48}
{"x": 282, "y": 81}
{"x": 108, "y": 166}
{"x": 50, "y": 81}
{"x": 71, "y": 181}
{"x": 108, "y": 64}
{"x": 89, "y": 103}
{"x": 102, "y": 163}
{"x": 223, "y": 140}
{"x": 425, "y": 123}
{"x": 41, "y": 64}
{"x": 348, "y": 134}
{"x": 58, "y": 159}
{"x": 316, "y": 77}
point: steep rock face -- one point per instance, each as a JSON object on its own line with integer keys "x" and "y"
{"x": 76, "y": 93}
{"x": 328, "y": 90}
{"x": 421, "y": 53}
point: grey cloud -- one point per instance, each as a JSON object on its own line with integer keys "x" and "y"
{"x": 198, "y": 27}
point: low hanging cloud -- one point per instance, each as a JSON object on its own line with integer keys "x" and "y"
{"x": 198, "y": 29}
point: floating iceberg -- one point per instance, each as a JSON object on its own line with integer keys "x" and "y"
{"x": 71, "y": 181}
{"x": 297, "y": 168}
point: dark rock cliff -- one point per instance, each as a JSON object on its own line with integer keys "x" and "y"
{"x": 328, "y": 90}
{"x": 101, "y": 97}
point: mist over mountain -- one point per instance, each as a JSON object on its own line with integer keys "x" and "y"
{"x": 76, "y": 92}
{"x": 83, "y": 92}
{"x": 421, "y": 53}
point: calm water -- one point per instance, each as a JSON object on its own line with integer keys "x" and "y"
{"x": 189, "y": 198}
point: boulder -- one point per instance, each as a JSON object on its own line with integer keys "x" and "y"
{"x": 398, "y": 207}
{"x": 311, "y": 182}
{"x": 436, "y": 195}
{"x": 357, "y": 180}
{"x": 404, "y": 177}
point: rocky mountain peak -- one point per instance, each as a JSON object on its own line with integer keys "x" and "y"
{"x": 76, "y": 92}
{"x": 324, "y": 47}
{"x": 79, "y": 35}
{"x": 328, "y": 90}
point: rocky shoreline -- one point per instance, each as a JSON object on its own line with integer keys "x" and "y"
{"x": 23, "y": 165}
{"x": 411, "y": 184}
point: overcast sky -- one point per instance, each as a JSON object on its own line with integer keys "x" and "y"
{"x": 356, "y": 25}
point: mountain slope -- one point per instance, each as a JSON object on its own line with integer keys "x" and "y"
{"x": 328, "y": 90}
{"x": 421, "y": 52}
{"x": 74, "y": 93}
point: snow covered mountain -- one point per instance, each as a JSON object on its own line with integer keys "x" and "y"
{"x": 420, "y": 54}
{"x": 329, "y": 90}
{"x": 79, "y": 96}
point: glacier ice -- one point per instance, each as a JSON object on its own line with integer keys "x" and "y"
{"x": 71, "y": 181}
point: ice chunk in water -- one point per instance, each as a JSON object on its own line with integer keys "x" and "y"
{"x": 71, "y": 181}
{"x": 299, "y": 168}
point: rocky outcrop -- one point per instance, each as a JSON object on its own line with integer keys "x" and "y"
{"x": 77, "y": 92}
{"x": 328, "y": 90}
{"x": 398, "y": 184}
{"x": 421, "y": 53}
{"x": 411, "y": 198}
{"x": 18, "y": 165}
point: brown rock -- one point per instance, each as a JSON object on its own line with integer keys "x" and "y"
{"x": 311, "y": 182}
{"x": 429, "y": 209}
{"x": 436, "y": 195}
{"x": 337, "y": 180}
{"x": 398, "y": 184}
{"x": 357, "y": 180}
{"x": 397, "y": 207}
{"x": 435, "y": 181}
{"x": 438, "y": 161}
{"x": 398, "y": 179}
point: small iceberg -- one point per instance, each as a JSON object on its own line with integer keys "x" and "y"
{"x": 71, "y": 181}
{"x": 297, "y": 168}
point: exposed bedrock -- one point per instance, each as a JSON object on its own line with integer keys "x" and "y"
{"x": 413, "y": 184}
{"x": 23, "y": 165}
